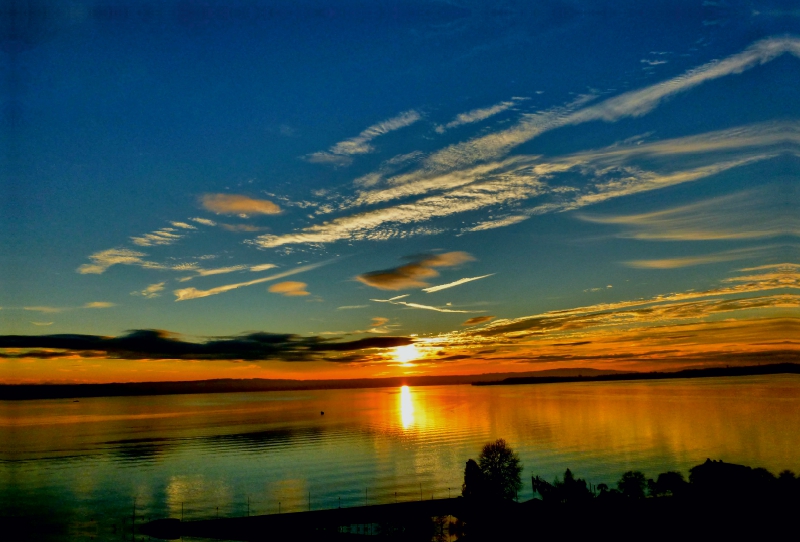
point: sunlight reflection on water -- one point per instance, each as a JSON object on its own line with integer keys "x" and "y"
{"x": 406, "y": 407}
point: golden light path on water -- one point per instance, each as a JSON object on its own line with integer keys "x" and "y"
{"x": 406, "y": 407}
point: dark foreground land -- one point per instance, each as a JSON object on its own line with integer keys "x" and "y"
{"x": 721, "y": 501}
{"x": 665, "y": 518}
{"x": 748, "y": 370}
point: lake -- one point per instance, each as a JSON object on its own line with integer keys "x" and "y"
{"x": 83, "y": 466}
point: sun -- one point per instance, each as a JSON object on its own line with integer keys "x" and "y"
{"x": 405, "y": 354}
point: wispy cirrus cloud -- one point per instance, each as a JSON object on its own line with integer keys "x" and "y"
{"x": 411, "y": 305}
{"x": 164, "y": 236}
{"x": 183, "y": 225}
{"x": 785, "y": 267}
{"x": 184, "y": 294}
{"x": 200, "y": 272}
{"x": 104, "y": 259}
{"x": 701, "y": 259}
{"x": 45, "y": 309}
{"x": 744, "y": 215}
{"x": 748, "y": 317}
{"x": 262, "y": 267}
{"x": 151, "y": 291}
{"x": 640, "y": 102}
{"x": 477, "y": 115}
{"x": 453, "y": 284}
{"x": 683, "y": 305}
{"x": 412, "y": 274}
{"x": 340, "y": 153}
{"x": 475, "y": 174}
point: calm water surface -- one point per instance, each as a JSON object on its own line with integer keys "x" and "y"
{"x": 83, "y": 463}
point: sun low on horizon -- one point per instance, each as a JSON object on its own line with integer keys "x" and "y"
{"x": 434, "y": 193}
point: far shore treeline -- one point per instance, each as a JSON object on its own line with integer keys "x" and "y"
{"x": 231, "y": 385}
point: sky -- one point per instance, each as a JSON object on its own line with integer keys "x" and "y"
{"x": 255, "y": 189}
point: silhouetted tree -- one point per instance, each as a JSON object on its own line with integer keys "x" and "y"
{"x": 473, "y": 480}
{"x": 501, "y": 470}
{"x": 632, "y": 484}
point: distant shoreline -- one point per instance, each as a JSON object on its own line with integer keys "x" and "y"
{"x": 22, "y": 392}
{"x": 749, "y": 370}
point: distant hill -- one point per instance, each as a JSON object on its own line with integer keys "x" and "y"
{"x": 747, "y": 370}
{"x": 230, "y": 385}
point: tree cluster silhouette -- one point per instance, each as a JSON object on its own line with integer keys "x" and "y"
{"x": 496, "y": 474}
{"x": 713, "y": 479}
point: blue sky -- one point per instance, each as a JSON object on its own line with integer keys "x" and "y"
{"x": 220, "y": 169}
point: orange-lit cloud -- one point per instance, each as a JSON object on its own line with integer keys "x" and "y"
{"x": 98, "y": 305}
{"x": 234, "y": 204}
{"x": 477, "y": 320}
{"x": 289, "y": 288}
{"x": 411, "y": 274}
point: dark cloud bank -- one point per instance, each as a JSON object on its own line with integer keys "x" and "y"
{"x": 156, "y": 344}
